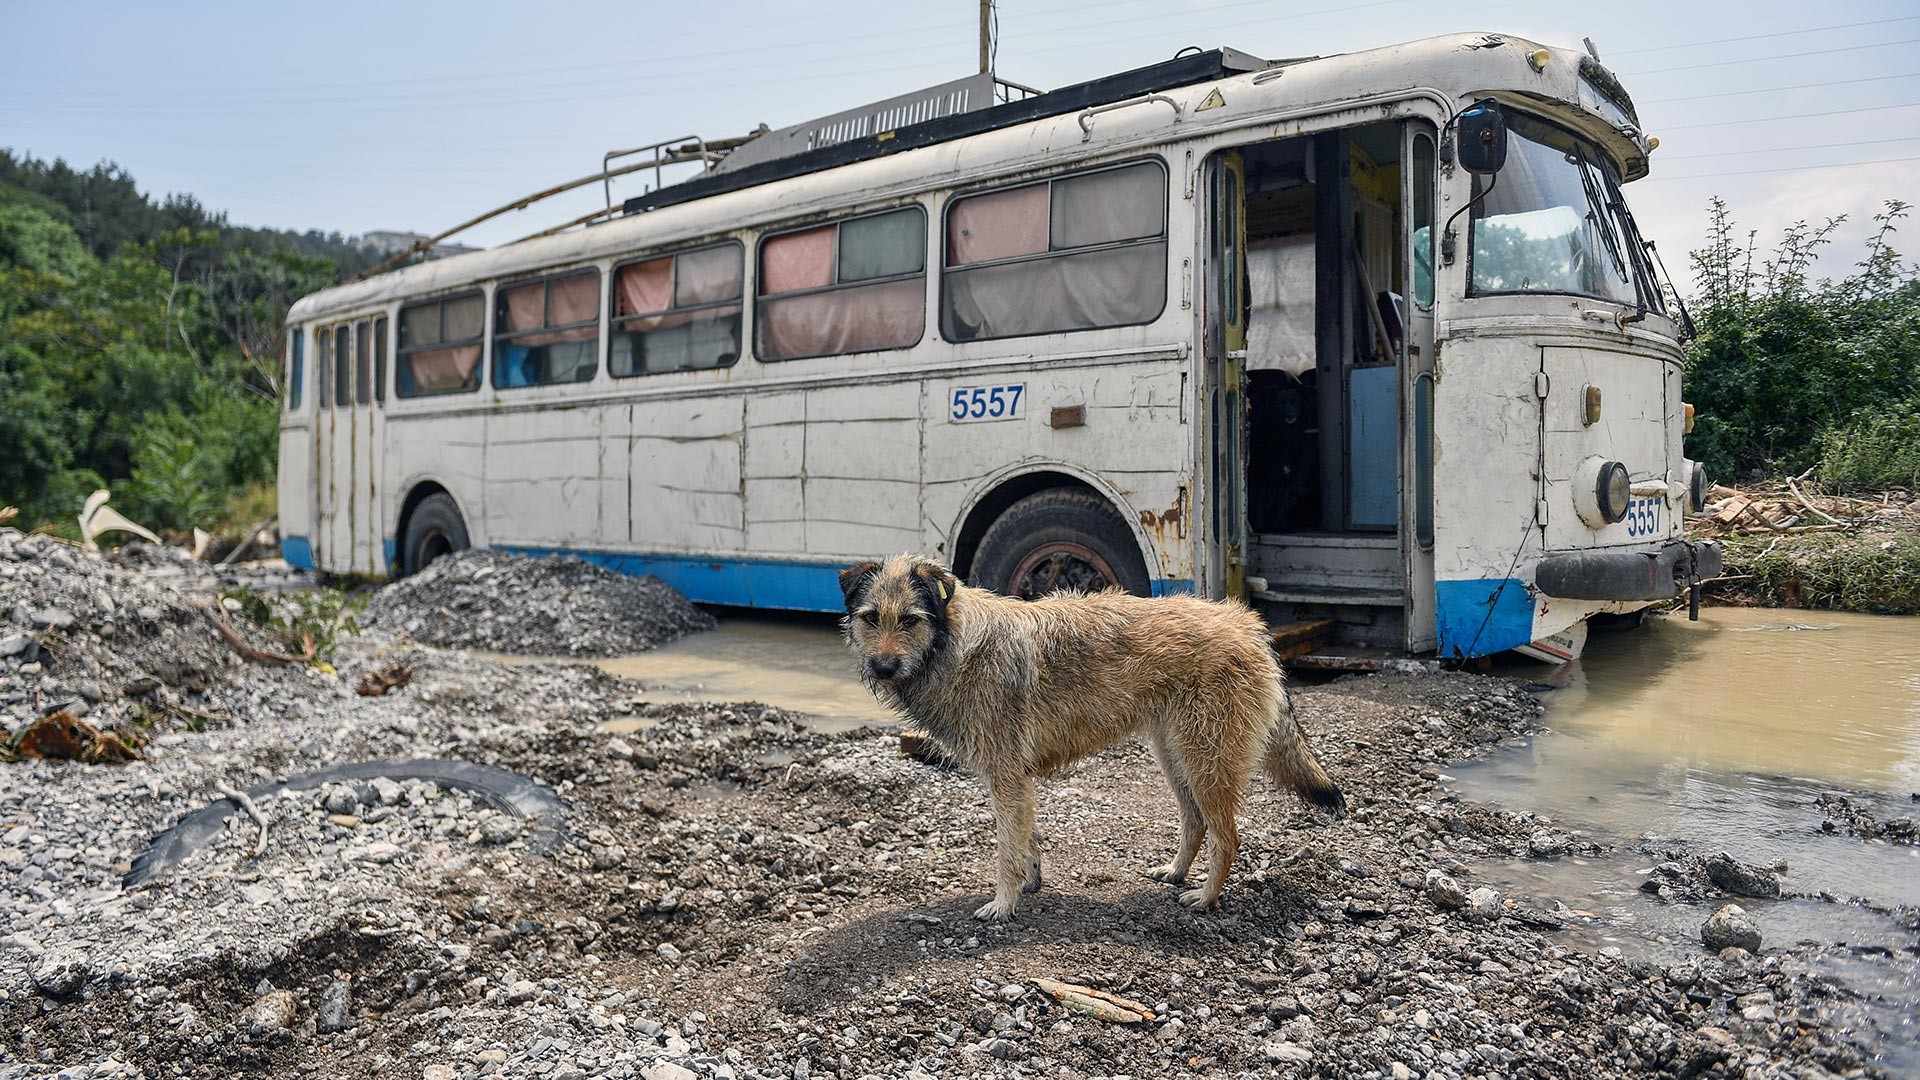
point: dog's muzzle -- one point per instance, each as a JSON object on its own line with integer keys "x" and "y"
{"x": 884, "y": 669}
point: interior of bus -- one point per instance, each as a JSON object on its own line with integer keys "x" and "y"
{"x": 1322, "y": 344}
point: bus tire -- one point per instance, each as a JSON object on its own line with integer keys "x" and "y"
{"x": 434, "y": 529}
{"x": 1059, "y": 539}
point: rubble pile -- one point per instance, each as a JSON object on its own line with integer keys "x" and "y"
{"x": 497, "y": 601}
{"x": 1788, "y": 507}
{"x": 740, "y": 897}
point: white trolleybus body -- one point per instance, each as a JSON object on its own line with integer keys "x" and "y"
{"x": 1218, "y": 325}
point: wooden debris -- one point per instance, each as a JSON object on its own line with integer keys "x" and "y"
{"x": 1096, "y": 1003}
{"x": 245, "y": 802}
{"x": 1781, "y": 508}
{"x": 392, "y": 677}
{"x": 66, "y": 736}
{"x": 219, "y": 620}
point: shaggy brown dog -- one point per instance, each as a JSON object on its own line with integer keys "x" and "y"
{"x": 1019, "y": 689}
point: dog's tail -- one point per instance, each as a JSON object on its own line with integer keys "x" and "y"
{"x": 1291, "y": 763}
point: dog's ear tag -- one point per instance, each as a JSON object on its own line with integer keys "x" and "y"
{"x": 942, "y": 586}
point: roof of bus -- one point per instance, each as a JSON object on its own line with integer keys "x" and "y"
{"x": 1446, "y": 71}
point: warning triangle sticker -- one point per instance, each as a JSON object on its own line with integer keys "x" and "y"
{"x": 1213, "y": 101}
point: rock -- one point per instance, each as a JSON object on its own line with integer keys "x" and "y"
{"x": 1544, "y": 845}
{"x": 59, "y": 978}
{"x": 1484, "y": 903}
{"x": 388, "y": 791}
{"x": 1287, "y": 1052}
{"x": 500, "y": 829}
{"x": 667, "y": 950}
{"x": 336, "y": 1001}
{"x": 521, "y": 991}
{"x": 379, "y": 852}
{"x": 53, "y": 618}
{"x": 1740, "y": 879}
{"x": 340, "y": 799}
{"x": 16, "y": 645}
{"x": 345, "y": 821}
{"x": 140, "y": 685}
{"x": 490, "y": 1060}
{"x": 1729, "y": 928}
{"x": 437, "y": 1072}
{"x": 1446, "y": 893}
{"x": 667, "y": 1070}
{"x": 273, "y": 1013}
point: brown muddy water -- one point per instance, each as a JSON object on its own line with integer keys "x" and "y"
{"x": 1721, "y": 734}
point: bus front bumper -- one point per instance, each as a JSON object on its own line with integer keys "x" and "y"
{"x": 1628, "y": 575}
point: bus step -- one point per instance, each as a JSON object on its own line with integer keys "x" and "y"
{"x": 1300, "y": 637}
{"x": 1283, "y": 593}
{"x": 1359, "y": 658}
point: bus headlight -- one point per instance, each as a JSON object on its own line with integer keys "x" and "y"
{"x": 1601, "y": 491}
{"x": 1697, "y": 486}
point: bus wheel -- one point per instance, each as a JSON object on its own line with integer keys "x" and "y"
{"x": 435, "y": 529}
{"x": 1059, "y": 540}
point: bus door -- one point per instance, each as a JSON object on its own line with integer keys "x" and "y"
{"x": 1418, "y": 196}
{"x": 348, "y": 536}
{"x": 1226, "y": 348}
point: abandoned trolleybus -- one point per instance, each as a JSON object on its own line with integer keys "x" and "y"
{"x": 1369, "y": 340}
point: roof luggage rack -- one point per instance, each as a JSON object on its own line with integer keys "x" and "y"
{"x": 861, "y": 134}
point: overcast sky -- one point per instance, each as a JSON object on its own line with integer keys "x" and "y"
{"x": 354, "y": 116}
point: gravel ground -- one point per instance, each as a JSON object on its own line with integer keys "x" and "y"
{"x": 495, "y": 601}
{"x": 739, "y": 896}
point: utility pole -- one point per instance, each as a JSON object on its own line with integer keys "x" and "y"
{"x": 986, "y": 36}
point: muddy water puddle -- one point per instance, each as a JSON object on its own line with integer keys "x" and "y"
{"x": 790, "y": 661}
{"x": 1721, "y": 734}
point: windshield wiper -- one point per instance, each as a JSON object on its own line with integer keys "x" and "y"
{"x": 1599, "y": 212}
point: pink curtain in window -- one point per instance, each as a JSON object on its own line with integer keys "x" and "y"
{"x": 891, "y": 315}
{"x": 644, "y": 287}
{"x": 437, "y": 370}
{"x": 1000, "y": 225}
{"x": 574, "y": 299}
{"x": 524, "y": 308}
{"x": 802, "y": 260}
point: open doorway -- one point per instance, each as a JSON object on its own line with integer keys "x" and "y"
{"x": 1324, "y": 317}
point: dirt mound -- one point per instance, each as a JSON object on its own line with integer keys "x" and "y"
{"x": 548, "y": 606}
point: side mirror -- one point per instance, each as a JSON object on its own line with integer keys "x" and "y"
{"x": 1481, "y": 138}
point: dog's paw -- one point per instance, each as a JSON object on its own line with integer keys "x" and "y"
{"x": 1198, "y": 900}
{"x": 1033, "y": 878}
{"x": 1169, "y": 873}
{"x": 994, "y": 911}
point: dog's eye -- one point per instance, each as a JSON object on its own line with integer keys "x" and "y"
{"x": 909, "y": 619}
{"x": 869, "y": 618}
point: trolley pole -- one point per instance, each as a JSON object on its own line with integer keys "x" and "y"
{"x": 986, "y": 33}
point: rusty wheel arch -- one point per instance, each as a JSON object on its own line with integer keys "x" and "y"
{"x": 419, "y": 494}
{"x": 983, "y": 513}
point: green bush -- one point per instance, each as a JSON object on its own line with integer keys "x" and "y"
{"x": 1880, "y": 449}
{"x": 1782, "y": 360}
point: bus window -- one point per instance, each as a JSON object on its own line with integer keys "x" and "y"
{"x": 323, "y": 368}
{"x": 342, "y": 371}
{"x": 547, "y": 331}
{"x": 678, "y": 312}
{"x": 380, "y": 359}
{"x": 1077, "y": 252}
{"x": 439, "y": 349}
{"x": 363, "y": 362}
{"x": 1423, "y": 221}
{"x": 296, "y": 367}
{"x": 853, "y": 286}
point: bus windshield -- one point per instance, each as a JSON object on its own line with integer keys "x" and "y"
{"x": 1554, "y": 221}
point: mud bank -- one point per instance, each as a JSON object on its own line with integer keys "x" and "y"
{"x": 737, "y": 895}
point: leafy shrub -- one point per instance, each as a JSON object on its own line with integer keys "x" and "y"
{"x": 1878, "y": 450}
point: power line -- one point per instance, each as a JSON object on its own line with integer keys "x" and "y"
{"x": 1790, "y": 168}
{"x": 1772, "y": 89}
{"x": 1759, "y": 37}
{"x": 1789, "y": 116}
{"x": 1789, "y": 149}
{"x": 1776, "y": 56}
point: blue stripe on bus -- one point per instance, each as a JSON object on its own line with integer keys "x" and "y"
{"x": 759, "y": 583}
{"x": 1482, "y": 616}
{"x": 297, "y": 551}
{"x": 392, "y": 548}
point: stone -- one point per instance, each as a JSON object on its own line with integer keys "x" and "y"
{"x": 336, "y": 1002}
{"x": 1287, "y": 1052}
{"x": 500, "y": 829}
{"x": 667, "y": 1070}
{"x": 1446, "y": 893}
{"x": 1544, "y": 845}
{"x": 521, "y": 991}
{"x": 15, "y": 644}
{"x": 1731, "y": 875}
{"x": 388, "y": 790}
{"x": 345, "y": 821}
{"x": 273, "y": 1013}
{"x": 59, "y": 978}
{"x": 140, "y": 685}
{"x": 437, "y": 1072}
{"x": 1728, "y": 928}
{"x": 341, "y": 799}
{"x": 667, "y": 950}
{"x": 381, "y": 852}
{"x": 1484, "y": 903}
{"x": 53, "y": 618}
